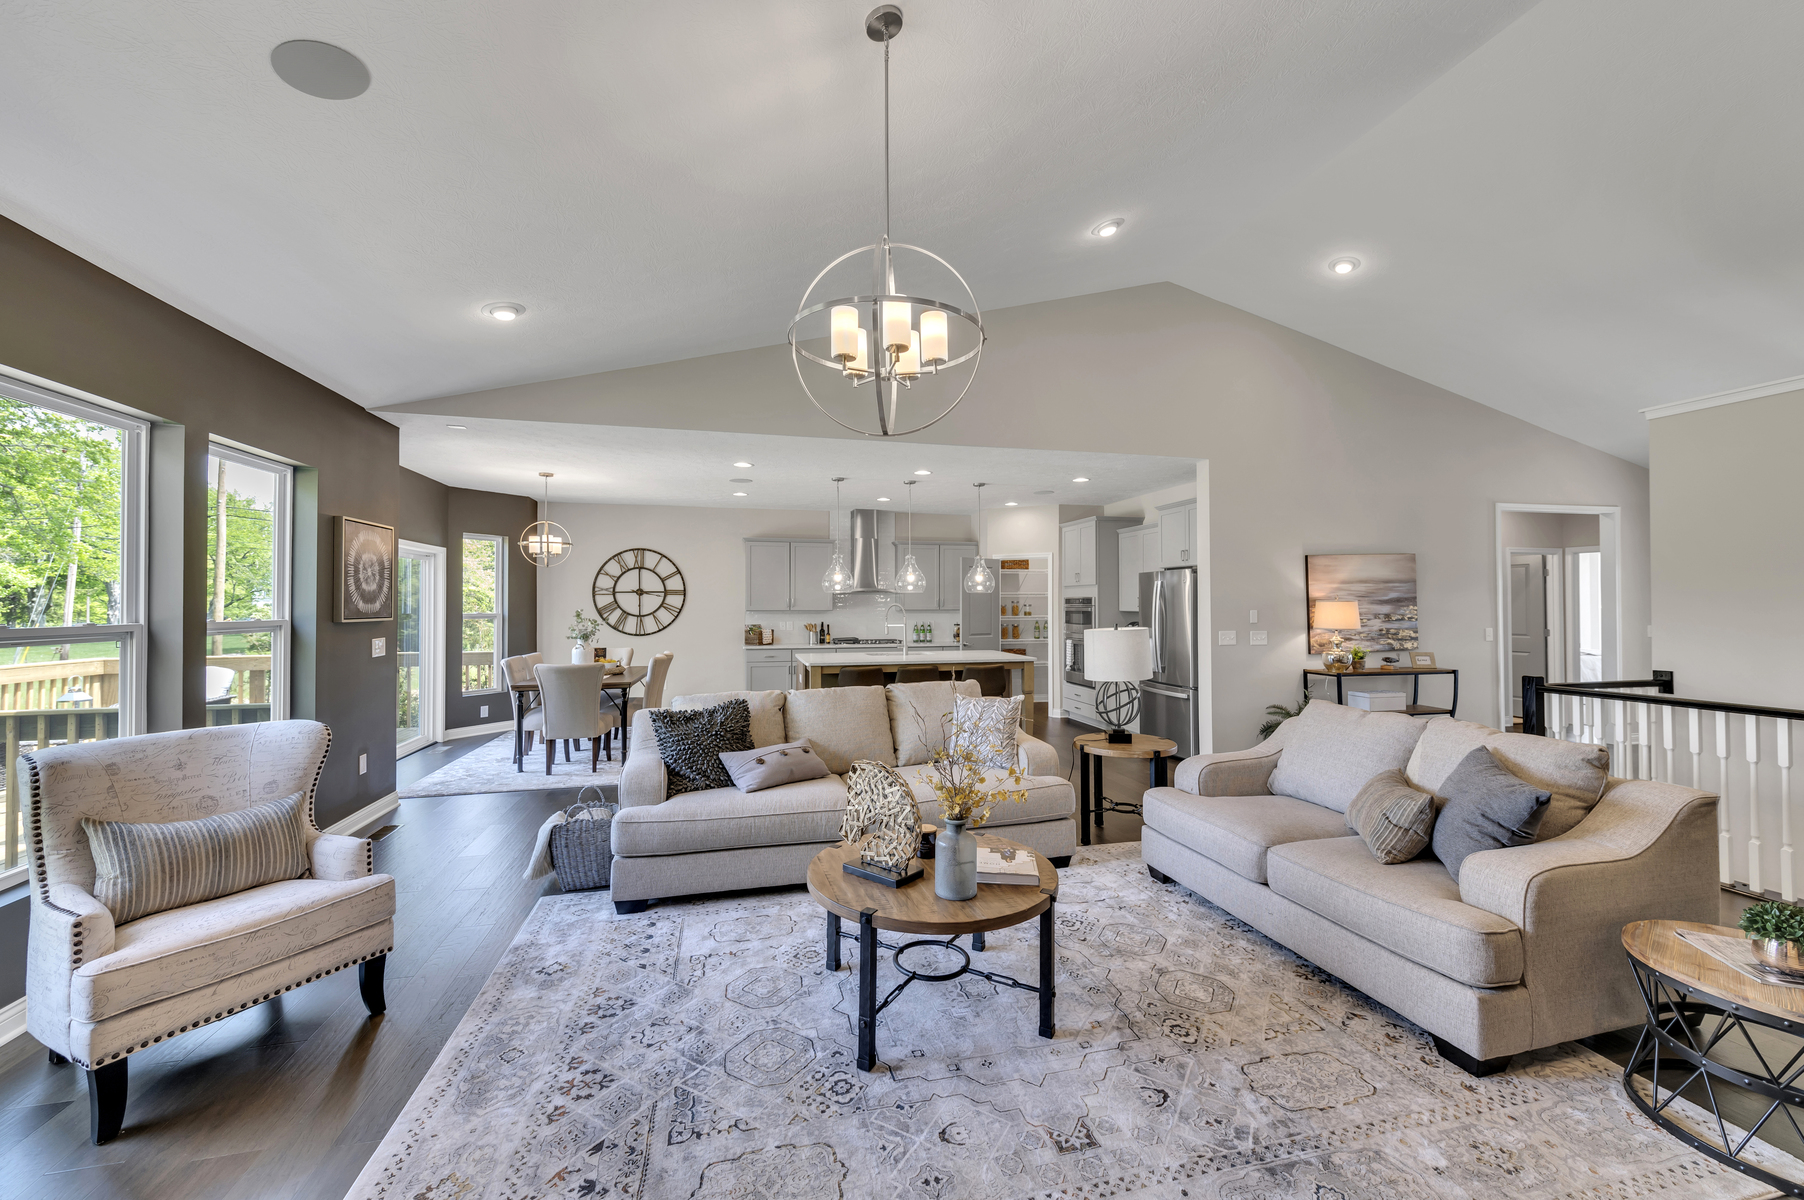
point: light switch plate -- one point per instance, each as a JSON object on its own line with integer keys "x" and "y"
{"x": 483, "y": 711}
{"x": 1252, "y": 616}
{"x": 1256, "y": 638}
{"x": 1490, "y": 634}
{"x": 363, "y": 764}
{"x": 378, "y": 647}
{"x": 1227, "y": 637}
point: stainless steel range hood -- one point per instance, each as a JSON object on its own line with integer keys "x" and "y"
{"x": 863, "y": 561}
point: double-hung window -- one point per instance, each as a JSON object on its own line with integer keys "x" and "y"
{"x": 72, "y": 530}
{"x": 250, "y": 500}
{"x": 484, "y": 611}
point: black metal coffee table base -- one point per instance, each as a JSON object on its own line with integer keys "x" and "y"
{"x": 868, "y": 945}
{"x": 1685, "y": 1028}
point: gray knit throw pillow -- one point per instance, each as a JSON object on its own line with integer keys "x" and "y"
{"x": 1487, "y": 809}
{"x": 142, "y": 868}
{"x": 691, "y": 741}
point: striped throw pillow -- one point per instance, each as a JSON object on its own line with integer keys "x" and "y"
{"x": 1393, "y": 819}
{"x": 143, "y": 868}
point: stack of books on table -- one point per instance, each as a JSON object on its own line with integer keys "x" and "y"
{"x": 1378, "y": 701}
{"x": 1006, "y": 866}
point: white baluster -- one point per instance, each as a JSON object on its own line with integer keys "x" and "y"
{"x": 1644, "y": 736}
{"x": 1722, "y": 794}
{"x": 1553, "y": 718}
{"x": 1666, "y": 738}
{"x": 1782, "y": 753}
{"x": 1751, "y": 729}
{"x": 1619, "y": 737}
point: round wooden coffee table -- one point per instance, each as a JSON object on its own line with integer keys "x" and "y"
{"x": 1098, "y": 747}
{"x": 1697, "y": 1008}
{"x": 913, "y": 908}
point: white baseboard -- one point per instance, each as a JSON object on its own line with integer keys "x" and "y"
{"x": 492, "y": 728}
{"x": 12, "y": 1020}
{"x": 366, "y": 816}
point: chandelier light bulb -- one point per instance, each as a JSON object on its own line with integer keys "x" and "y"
{"x": 933, "y": 338}
{"x": 845, "y": 332}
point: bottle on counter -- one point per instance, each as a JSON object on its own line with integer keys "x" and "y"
{"x": 826, "y": 634}
{"x": 956, "y": 639}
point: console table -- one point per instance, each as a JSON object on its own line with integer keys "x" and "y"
{"x": 1415, "y": 708}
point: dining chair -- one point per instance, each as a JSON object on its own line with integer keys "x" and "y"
{"x": 991, "y": 681}
{"x": 517, "y": 670}
{"x": 920, "y": 675}
{"x": 860, "y": 677}
{"x": 654, "y": 694}
{"x": 570, "y": 697}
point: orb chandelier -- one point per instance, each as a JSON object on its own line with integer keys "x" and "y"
{"x": 980, "y": 578}
{"x": 546, "y": 543}
{"x": 889, "y": 340}
{"x": 911, "y": 579}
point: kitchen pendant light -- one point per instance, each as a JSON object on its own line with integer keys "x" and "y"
{"x": 889, "y": 340}
{"x": 546, "y": 543}
{"x": 980, "y": 578}
{"x": 910, "y": 578}
{"x": 838, "y": 577}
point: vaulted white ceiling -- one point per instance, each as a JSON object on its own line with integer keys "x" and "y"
{"x": 1567, "y": 211}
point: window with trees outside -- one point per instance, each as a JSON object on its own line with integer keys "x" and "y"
{"x": 72, "y": 488}
{"x": 249, "y": 531}
{"x": 484, "y": 611}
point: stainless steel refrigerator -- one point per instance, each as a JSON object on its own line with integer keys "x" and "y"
{"x": 1168, "y": 706}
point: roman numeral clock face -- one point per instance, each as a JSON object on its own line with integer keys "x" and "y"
{"x": 639, "y": 591}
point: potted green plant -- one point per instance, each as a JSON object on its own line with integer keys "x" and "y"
{"x": 582, "y": 631}
{"x": 1359, "y": 658}
{"x": 1776, "y": 929}
{"x": 1277, "y": 714}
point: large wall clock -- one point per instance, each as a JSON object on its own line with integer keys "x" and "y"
{"x": 639, "y": 591}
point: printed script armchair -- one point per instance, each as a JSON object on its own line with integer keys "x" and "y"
{"x": 96, "y": 992}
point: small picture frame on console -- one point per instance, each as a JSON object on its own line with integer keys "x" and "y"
{"x": 1422, "y": 660}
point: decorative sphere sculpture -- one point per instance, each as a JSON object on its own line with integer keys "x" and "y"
{"x": 1118, "y": 704}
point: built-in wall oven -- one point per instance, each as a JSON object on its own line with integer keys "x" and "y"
{"x": 1080, "y": 614}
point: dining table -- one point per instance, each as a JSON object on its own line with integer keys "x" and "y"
{"x": 614, "y": 688}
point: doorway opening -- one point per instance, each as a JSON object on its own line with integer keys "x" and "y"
{"x": 1559, "y": 597}
{"x": 419, "y": 647}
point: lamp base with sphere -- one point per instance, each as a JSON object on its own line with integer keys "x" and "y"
{"x": 1118, "y": 704}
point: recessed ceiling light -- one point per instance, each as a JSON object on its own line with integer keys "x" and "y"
{"x": 742, "y": 465}
{"x": 923, "y": 472}
{"x": 504, "y": 312}
{"x": 457, "y": 427}
{"x": 1081, "y": 479}
{"x": 883, "y": 499}
{"x": 1011, "y": 504}
{"x": 1344, "y": 266}
{"x": 1109, "y": 228}
{"x": 320, "y": 69}
{"x": 739, "y": 493}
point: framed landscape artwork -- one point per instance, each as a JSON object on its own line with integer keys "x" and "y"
{"x": 366, "y": 571}
{"x": 1384, "y": 587}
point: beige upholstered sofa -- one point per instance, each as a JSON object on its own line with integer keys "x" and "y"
{"x": 1523, "y": 951}
{"x": 96, "y": 992}
{"x": 724, "y": 839}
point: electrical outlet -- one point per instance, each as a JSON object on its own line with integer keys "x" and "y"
{"x": 1256, "y": 638}
{"x": 1227, "y": 637}
{"x": 363, "y": 764}
{"x": 1490, "y": 634}
{"x": 483, "y": 711}
{"x": 378, "y": 647}
{"x": 1252, "y": 616}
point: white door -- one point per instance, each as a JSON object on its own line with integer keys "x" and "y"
{"x": 1528, "y": 622}
{"x": 419, "y": 647}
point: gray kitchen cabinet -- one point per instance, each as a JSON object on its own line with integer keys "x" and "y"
{"x": 951, "y": 584}
{"x": 767, "y": 576}
{"x": 767, "y": 677}
{"x": 807, "y": 563}
{"x": 1177, "y": 534}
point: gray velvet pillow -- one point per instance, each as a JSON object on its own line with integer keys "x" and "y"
{"x": 1487, "y": 809}
{"x": 772, "y": 766}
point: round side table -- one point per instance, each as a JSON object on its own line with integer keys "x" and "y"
{"x": 913, "y": 908}
{"x": 1697, "y": 1008}
{"x": 1097, "y": 746}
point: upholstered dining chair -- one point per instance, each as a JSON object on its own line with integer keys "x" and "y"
{"x": 571, "y": 696}
{"x": 97, "y": 990}
{"x": 518, "y": 670}
{"x": 655, "y": 675}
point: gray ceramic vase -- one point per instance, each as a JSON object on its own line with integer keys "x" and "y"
{"x": 955, "y": 862}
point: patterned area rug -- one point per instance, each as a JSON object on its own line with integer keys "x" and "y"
{"x": 703, "y": 1051}
{"x": 490, "y": 768}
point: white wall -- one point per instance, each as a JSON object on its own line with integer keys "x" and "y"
{"x": 1548, "y": 531}
{"x": 1310, "y": 450}
{"x": 708, "y": 639}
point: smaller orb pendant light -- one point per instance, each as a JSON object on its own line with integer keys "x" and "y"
{"x": 546, "y": 543}
{"x": 980, "y": 578}
{"x": 838, "y": 577}
{"x": 911, "y": 578}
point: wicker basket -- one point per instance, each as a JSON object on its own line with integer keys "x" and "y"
{"x": 582, "y": 848}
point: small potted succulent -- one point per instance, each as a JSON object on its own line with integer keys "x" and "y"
{"x": 1776, "y": 929}
{"x": 1359, "y": 658}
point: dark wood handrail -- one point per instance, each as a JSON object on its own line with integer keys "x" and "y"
{"x": 1534, "y": 716}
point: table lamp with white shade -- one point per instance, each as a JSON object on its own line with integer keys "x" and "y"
{"x": 1118, "y": 659}
{"x": 1334, "y": 616}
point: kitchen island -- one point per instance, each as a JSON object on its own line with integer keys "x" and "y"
{"x": 824, "y": 665}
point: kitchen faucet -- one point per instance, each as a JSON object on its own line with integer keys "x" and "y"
{"x": 898, "y": 626}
